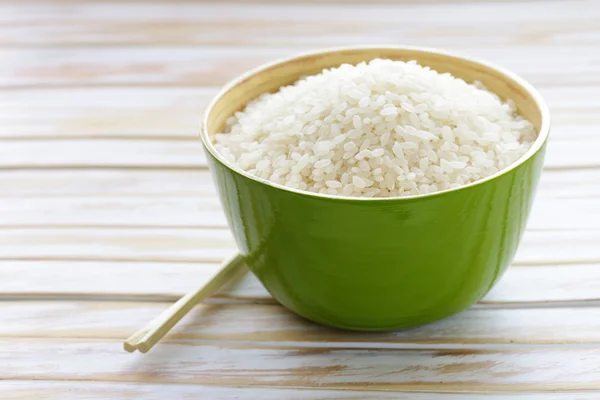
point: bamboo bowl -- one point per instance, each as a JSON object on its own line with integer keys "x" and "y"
{"x": 377, "y": 264}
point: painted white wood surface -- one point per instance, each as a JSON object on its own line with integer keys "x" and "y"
{"x": 212, "y": 245}
{"x": 314, "y": 23}
{"x": 209, "y": 66}
{"x": 187, "y": 212}
{"x": 174, "y": 112}
{"x": 521, "y": 286}
{"x": 272, "y": 323}
{"x": 92, "y": 390}
{"x": 107, "y": 212}
{"x": 170, "y": 154}
{"x": 334, "y": 365}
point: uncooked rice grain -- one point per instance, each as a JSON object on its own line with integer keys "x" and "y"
{"x": 378, "y": 129}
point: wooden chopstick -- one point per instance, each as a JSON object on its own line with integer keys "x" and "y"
{"x": 144, "y": 339}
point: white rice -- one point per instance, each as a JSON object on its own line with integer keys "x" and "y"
{"x": 378, "y": 129}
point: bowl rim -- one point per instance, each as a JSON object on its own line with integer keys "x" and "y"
{"x": 538, "y": 143}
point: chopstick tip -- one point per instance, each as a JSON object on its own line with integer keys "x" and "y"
{"x": 128, "y": 347}
{"x": 143, "y": 347}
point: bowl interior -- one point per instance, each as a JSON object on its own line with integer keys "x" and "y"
{"x": 271, "y": 77}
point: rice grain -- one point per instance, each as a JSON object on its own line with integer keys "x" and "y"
{"x": 378, "y": 129}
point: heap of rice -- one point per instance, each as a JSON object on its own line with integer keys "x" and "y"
{"x": 382, "y": 129}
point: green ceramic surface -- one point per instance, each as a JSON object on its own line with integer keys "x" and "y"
{"x": 379, "y": 264}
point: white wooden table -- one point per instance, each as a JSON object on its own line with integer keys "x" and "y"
{"x": 107, "y": 212}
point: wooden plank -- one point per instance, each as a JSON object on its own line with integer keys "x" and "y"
{"x": 171, "y": 142}
{"x": 213, "y": 245}
{"x": 213, "y": 66}
{"x": 520, "y": 286}
{"x": 210, "y": 23}
{"x": 175, "y": 113}
{"x": 150, "y": 184}
{"x": 144, "y": 244}
{"x": 119, "y": 211}
{"x": 161, "y": 66}
{"x": 169, "y": 113}
{"x": 546, "y": 284}
{"x": 205, "y": 212}
{"x": 112, "y": 153}
{"x": 195, "y": 183}
{"x": 558, "y": 247}
{"x": 69, "y": 2}
{"x": 569, "y": 184}
{"x": 89, "y": 390}
{"x": 119, "y": 280}
{"x": 447, "y": 369}
{"x": 273, "y": 323}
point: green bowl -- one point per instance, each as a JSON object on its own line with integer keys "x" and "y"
{"x": 377, "y": 264}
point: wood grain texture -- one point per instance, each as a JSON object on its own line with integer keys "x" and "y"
{"x": 91, "y": 130}
{"x": 169, "y": 154}
{"x": 102, "y": 153}
{"x": 118, "y": 280}
{"x": 91, "y": 390}
{"x": 214, "y": 66}
{"x": 197, "y": 184}
{"x": 107, "y": 211}
{"x": 205, "y": 212}
{"x": 169, "y": 113}
{"x": 271, "y": 324}
{"x": 179, "y": 245}
{"x": 523, "y": 286}
{"x": 213, "y": 245}
{"x": 407, "y": 2}
{"x": 444, "y": 368}
{"x": 114, "y": 211}
{"x": 314, "y": 22}
{"x": 175, "y": 113}
{"x": 194, "y": 183}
